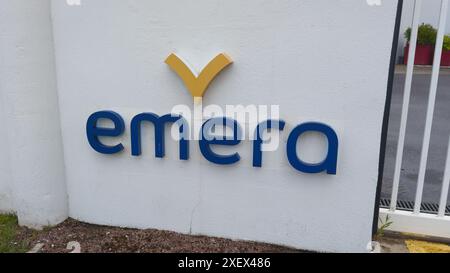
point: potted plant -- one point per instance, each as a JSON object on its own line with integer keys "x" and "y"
{"x": 445, "y": 58}
{"x": 426, "y": 39}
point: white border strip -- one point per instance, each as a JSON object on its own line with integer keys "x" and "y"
{"x": 420, "y": 224}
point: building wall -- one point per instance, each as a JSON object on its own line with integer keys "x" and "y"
{"x": 31, "y": 127}
{"x": 289, "y": 53}
{"x": 60, "y": 63}
{"x": 6, "y": 198}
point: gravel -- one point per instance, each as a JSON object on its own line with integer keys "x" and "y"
{"x": 94, "y": 238}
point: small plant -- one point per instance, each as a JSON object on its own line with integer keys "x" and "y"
{"x": 446, "y": 45}
{"x": 11, "y": 240}
{"x": 426, "y": 34}
{"x": 386, "y": 223}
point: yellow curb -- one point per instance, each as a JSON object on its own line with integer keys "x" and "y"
{"x": 426, "y": 247}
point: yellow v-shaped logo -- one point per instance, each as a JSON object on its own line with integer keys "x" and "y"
{"x": 197, "y": 84}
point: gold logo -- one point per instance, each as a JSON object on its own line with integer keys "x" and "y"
{"x": 197, "y": 84}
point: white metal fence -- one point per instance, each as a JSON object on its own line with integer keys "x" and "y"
{"x": 416, "y": 221}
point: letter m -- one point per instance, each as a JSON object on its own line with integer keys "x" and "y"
{"x": 159, "y": 125}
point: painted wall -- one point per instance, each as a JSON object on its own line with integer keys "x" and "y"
{"x": 297, "y": 54}
{"x": 61, "y": 63}
{"x": 30, "y": 128}
{"x": 6, "y": 198}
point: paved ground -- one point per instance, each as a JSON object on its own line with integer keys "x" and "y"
{"x": 405, "y": 244}
{"x": 413, "y": 143}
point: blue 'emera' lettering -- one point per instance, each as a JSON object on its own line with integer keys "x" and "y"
{"x": 93, "y": 131}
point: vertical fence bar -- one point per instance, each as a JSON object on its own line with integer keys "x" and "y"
{"x": 431, "y": 104}
{"x": 445, "y": 184}
{"x": 405, "y": 106}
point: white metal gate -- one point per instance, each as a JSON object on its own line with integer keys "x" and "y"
{"x": 416, "y": 220}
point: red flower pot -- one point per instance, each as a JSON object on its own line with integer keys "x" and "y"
{"x": 424, "y": 54}
{"x": 445, "y": 58}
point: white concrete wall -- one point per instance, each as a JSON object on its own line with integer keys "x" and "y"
{"x": 110, "y": 55}
{"x": 30, "y": 131}
{"x": 6, "y": 198}
{"x": 429, "y": 15}
{"x": 298, "y": 54}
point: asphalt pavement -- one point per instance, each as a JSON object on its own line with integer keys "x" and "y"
{"x": 414, "y": 136}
